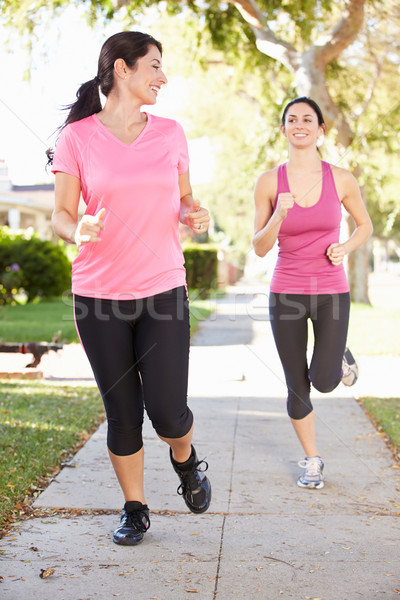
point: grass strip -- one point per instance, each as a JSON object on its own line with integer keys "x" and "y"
{"x": 38, "y": 322}
{"x": 199, "y": 310}
{"x": 374, "y": 330}
{"x": 385, "y": 415}
{"x": 40, "y": 426}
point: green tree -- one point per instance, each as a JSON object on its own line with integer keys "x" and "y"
{"x": 344, "y": 54}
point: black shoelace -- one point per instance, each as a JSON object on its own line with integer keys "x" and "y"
{"x": 191, "y": 478}
{"x": 135, "y": 520}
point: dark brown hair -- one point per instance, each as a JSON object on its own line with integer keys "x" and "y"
{"x": 305, "y": 100}
{"x": 128, "y": 45}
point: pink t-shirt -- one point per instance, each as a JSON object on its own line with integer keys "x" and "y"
{"x": 304, "y": 237}
{"x": 139, "y": 254}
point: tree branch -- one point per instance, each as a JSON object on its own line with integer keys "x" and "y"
{"x": 266, "y": 40}
{"x": 251, "y": 13}
{"x": 343, "y": 35}
{"x": 371, "y": 87}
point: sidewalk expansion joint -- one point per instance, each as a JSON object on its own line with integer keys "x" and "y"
{"x": 67, "y": 513}
{"x": 221, "y": 543}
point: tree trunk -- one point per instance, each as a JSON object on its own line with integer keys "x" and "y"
{"x": 358, "y": 270}
{"x": 358, "y": 260}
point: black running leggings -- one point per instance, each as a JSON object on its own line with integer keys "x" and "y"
{"x": 139, "y": 353}
{"x": 329, "y": 314}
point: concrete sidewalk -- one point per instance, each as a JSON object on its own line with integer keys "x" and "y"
{"x": 263, "y": 537}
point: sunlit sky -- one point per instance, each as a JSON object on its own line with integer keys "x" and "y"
{"x": 65, "y": 56}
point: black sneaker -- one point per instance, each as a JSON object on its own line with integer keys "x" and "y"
{"x": 195, "y": 486}
{"x": 134, "y": 524}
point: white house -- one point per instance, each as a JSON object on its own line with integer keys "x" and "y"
{"x": 23, "y": 206}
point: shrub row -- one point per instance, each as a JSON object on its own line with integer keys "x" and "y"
{"x": 37, "y": 267}
{"x": 41, "y": 269}
{"x": 201, "y": 262}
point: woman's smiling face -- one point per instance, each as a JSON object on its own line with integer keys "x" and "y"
{"x": 301, "y": 125}
{"x": 147, "y": 76}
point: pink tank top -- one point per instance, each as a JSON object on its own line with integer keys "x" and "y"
{"x": 305, "y": 235}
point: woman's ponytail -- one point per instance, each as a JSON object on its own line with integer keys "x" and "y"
{"x": 87, "y": 103}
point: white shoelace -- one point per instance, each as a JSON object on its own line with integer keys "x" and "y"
{"x": 312, "y": 466}
{"x": 347, "y": 369}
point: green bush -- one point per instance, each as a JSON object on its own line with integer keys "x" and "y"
{"x": 38, "y": 267}
{"x": 201, "y": 262}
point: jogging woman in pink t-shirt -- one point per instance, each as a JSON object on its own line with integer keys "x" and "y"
{"x": 128, "y": 280}
{"x": 300, "y": 205}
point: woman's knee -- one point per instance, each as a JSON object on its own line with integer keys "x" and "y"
{"x": 123, "y": 440}
{"x": 324, "y": 383}
{"x": 297, "y": 407}
{"x": 168, "y": 425}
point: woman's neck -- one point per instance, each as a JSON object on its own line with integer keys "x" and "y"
{"x": 303, "y": 160}
{"x": 120, "y": 112}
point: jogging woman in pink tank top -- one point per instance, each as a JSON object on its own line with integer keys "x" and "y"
{"x": 300, "y": 205}
{"x": 128, "y": 280}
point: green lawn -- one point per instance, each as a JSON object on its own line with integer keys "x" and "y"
{"x": 374, "y": 330}
{"x": 39, "y": 322}
{"x": 40, "y": 425}
{"x": 385, "y": 414}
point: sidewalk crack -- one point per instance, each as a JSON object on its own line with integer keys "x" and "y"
{"x": 221, "y": 542}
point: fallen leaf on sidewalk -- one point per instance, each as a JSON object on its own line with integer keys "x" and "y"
{"x": 46, "y": 573}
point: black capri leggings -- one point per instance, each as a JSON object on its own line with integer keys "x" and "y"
{"x": 329, "y": 314}
{"x": 139, "y": 353}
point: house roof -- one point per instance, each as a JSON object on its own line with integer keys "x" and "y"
{"x": 40, "y": 197}
{"x": 32, "y": 197}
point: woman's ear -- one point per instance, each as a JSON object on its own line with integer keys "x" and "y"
{"x": 321, "y": 135}
{"x": 283, "y": 130}
{"x": 120, "y": 68}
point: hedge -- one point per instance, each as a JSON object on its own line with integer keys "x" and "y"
{"x": 37, "y": 267}
{"x": 201, "y": 262}
{"x": 42, "y": 269}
